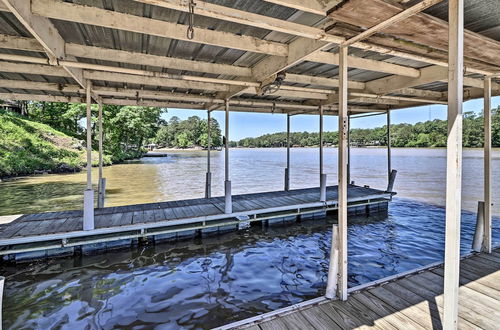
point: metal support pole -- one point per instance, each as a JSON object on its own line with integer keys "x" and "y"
{"x": 88, "y": 197}
{"x": 287, "y": 169}
{"x": 487, "y": 166}
{"x": 101, "y": 190}
{"x": 454, "y": 162}
{"x": 341, "y": 292}
{"x": 322, "y": 175}
{"x": 227, "y": 183}
{"x": 208, "y": 181}
{"x": 389, "y": 156}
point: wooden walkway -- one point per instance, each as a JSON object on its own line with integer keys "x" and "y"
{"x": 411, "y": 302}
{"x": 147, "y": 219}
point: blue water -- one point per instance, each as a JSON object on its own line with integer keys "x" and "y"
{"x": 214, "y": 281}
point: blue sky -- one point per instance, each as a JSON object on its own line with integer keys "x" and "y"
{"x": 244, "y": 124}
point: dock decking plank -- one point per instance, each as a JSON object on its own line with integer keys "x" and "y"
{"x": 319, "y": 319}
{"x": 464, "y": 317}
{"x": 487, "y": 283}
{"x": 467, "y": 309}
{"x": 408, "y": 309}
{"x": 398, "y": 319}
{"x": 138, "y": 217}
{"x": 276, "y": 324}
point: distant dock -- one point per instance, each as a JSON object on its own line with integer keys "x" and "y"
{"x": 155, "y": 154}
{"x": 52, "y": 234}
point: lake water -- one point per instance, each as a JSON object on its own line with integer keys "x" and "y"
{"x": 421, "y": 177}
{"x": 201, "y": 283}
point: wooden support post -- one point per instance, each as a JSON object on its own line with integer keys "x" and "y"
{"x": 454, "y": 162}
{"x": 227, "y": 182}
{"x": 322, "y": 175}
{"x": 101, "y": 190}
{"x": 208, "y": 180}
{"x": 487, "y": 166}
{"x": 349, "y": 149}
{"x": 342, "y": 177}
{"x": 287, "y": 169}
{"x": 88, "y": 197}
{"x": 389, "y": 156}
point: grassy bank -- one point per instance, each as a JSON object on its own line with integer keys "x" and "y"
{"x": 28, "y": 146}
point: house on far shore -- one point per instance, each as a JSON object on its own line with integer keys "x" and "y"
{"x": 151, "y": 146}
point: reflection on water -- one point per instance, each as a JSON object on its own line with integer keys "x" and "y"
{"x": 421, "y": 177}
{"x": 210, "y": 282}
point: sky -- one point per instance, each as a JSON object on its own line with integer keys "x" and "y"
{"x": 244, "y": 124}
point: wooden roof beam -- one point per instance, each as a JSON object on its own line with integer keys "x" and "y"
{"x": 421, "y": 6}
{"x": 113, "y": 55}
{"x": 114, "y": 20}
{"x": 310, "y": 6}
{"x": 44, "y": 32}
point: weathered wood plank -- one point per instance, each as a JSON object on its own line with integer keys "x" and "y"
{"x": 408, "y": 309}
{"x": 72, "y": 224}
{"x": 426, "y": 305}
{"x": 319, "y": 319}
{"x": 138, "y": 217}
{"x": 275, "y": 324}
{"x": 467, "y": 300}
{"x": 398, "y": 319}
{"x": 296, "y": 321}
{"x": 475, "y": 283}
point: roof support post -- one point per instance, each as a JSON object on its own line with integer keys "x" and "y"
{"x": 101, "y": 190}
{"x": 487, "y": 165}
{"x": 322, "y": 175}
{"x": 227, "y": 184}
{"x": 454, "y": 162}
{"x": 287, "y": 169}
{"x": 389, "y": 155}
{"x": 337, "y": 274}
{"x": 349, "y": 149}
{"x": 342, "y": 177}
{"x": 208, "y": 180}
{"x": 88, "y": 198}
{"x": 2, "y": 282}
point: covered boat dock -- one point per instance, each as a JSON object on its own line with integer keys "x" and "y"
{"x": 348, "y": 59}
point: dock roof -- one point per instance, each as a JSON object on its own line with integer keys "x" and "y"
{"x": 138, "y": 52}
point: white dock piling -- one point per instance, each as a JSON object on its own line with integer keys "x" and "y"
{"x": 331, "y": 286}
{"x": 477, "y": 242}
{"x": 322, "y": 191}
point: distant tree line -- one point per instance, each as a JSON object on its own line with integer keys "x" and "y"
{"x": 423, "y": 134}
{"x": 191, "y": 132}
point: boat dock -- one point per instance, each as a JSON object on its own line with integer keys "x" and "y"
{"x": 411, "y": 300}
{"x": 61, "y": 233}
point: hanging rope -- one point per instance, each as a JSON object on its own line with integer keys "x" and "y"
{"x": 190, "y": 29}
